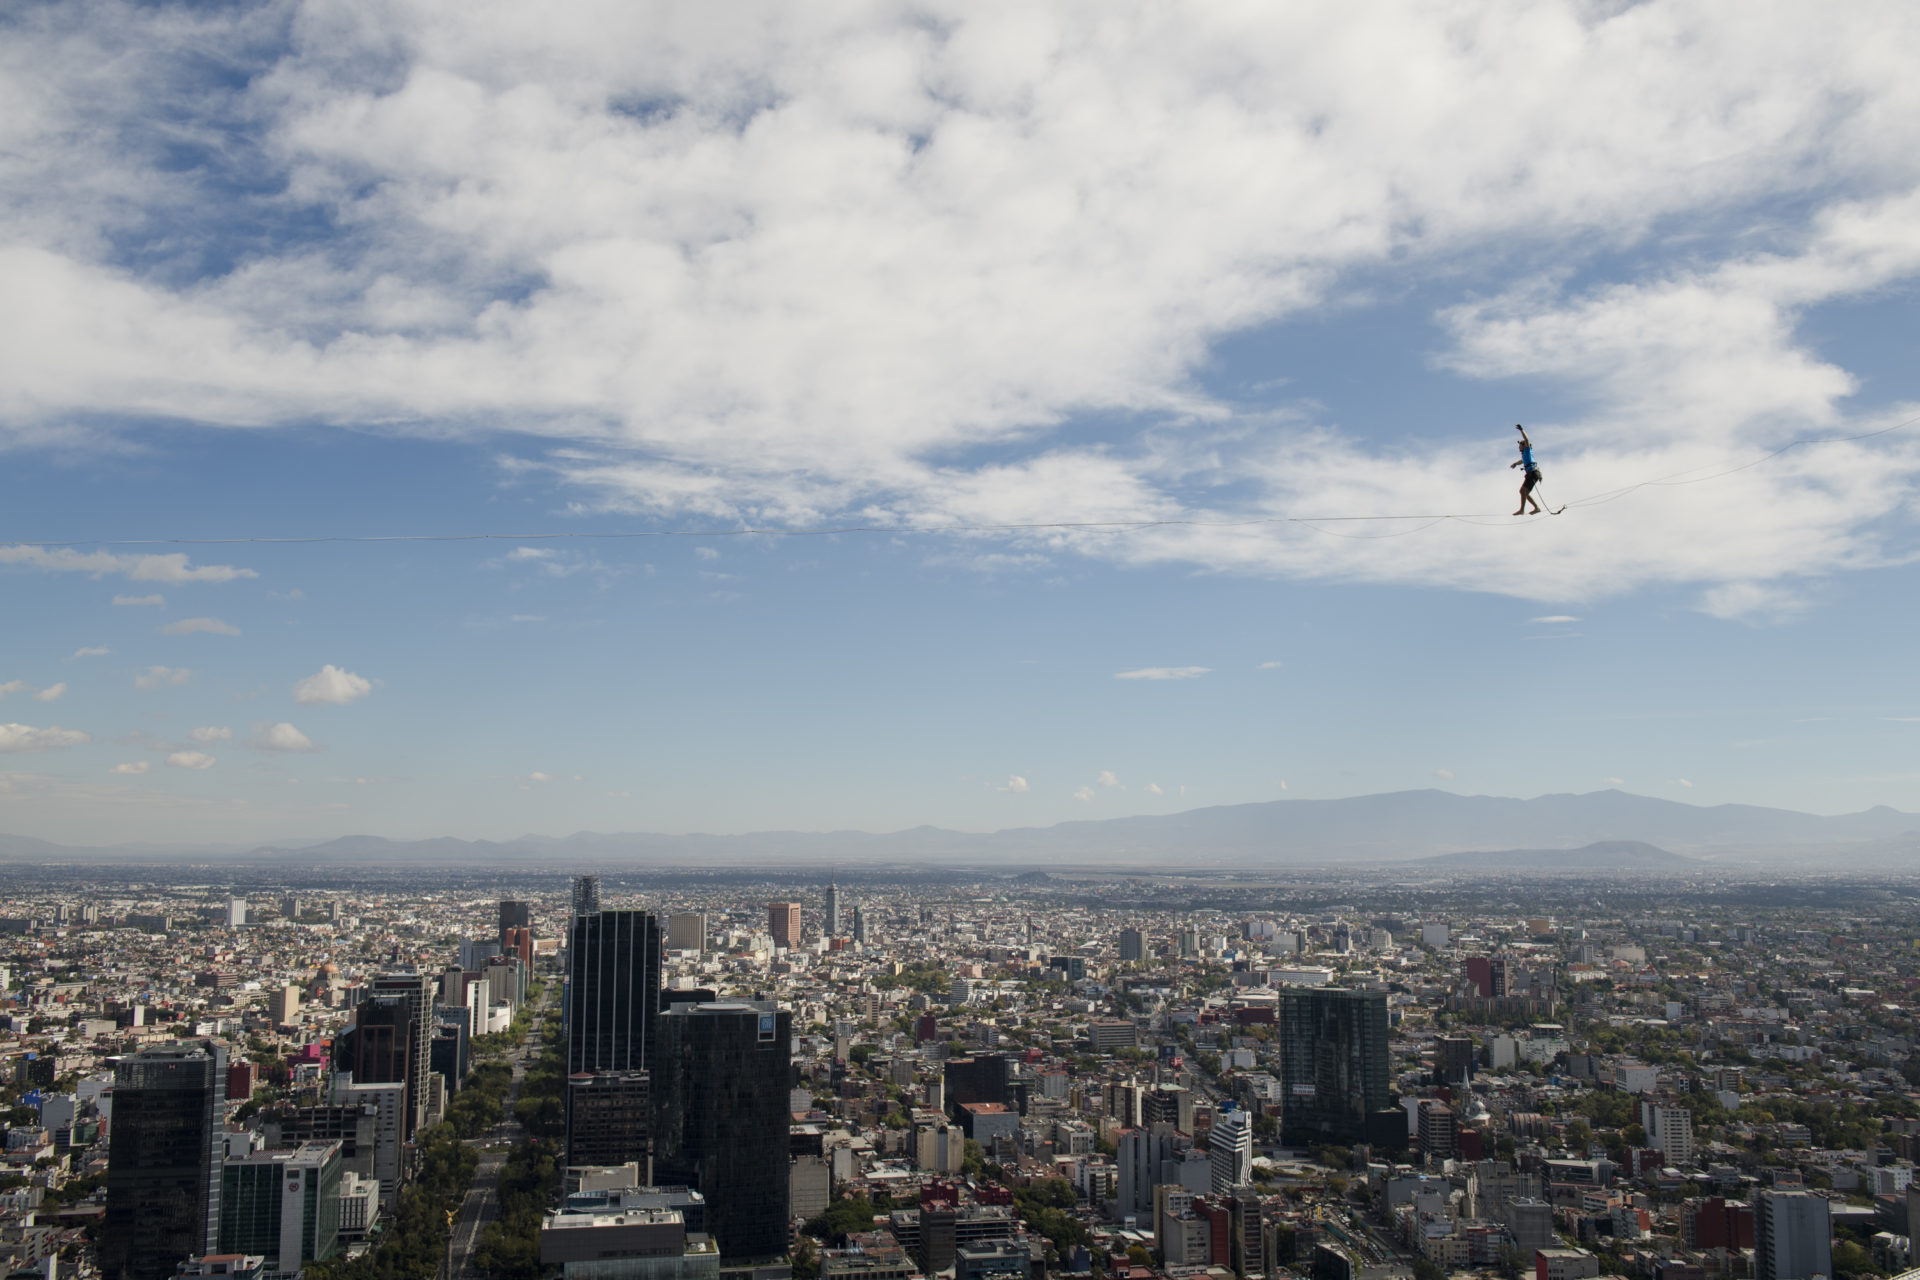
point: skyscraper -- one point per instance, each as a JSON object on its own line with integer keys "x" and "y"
{"x": 861, "y": 934}
{"x": 514, "y": 914}
{"x": 1133, "y": 945}
{"x": 417, "y": 990}
{"x": 283, "y": 1205}
{"x": 1230, "y": 1148}
{"x": 687, "y": 931}
{"x": 613, "y": 990}
{"x": 783, "y": 922}
{"x": 833, "y": 909}
{"x": 721, "y": 1076}
{"x": 609, "y": 1120}
{"x": 586, "y": 895}
{"x": 164, "y": 1161}
{"x": 1792, "y": 1235}
{"x": 1333, "y": 1063}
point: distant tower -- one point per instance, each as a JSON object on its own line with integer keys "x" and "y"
{"x": 164, "y": 1161}
{"x": 860, "y": 932}
{"x": 833, "y": 909}
{"x": 783, "y": 922}
{"x": 586, "y": 895}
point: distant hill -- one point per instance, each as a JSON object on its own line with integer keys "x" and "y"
{"x": 1603, "y": 855}
{"x": 1404, "y": 827}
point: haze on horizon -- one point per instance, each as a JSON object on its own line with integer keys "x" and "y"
{"x": 308, "y": 270}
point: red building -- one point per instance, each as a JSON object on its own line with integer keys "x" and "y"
{"x": 241, "y": 1077}
{"x": 1716, "y": 1223}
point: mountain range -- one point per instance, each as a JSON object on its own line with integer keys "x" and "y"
{"x": 1431, "y": 830}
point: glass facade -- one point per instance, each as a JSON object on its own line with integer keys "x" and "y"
{"x": 163, "y": 1161}
{"x": 613, "y": 990}
{"x": 1333, "y": 1063}
{"x": 720, "y": 1082}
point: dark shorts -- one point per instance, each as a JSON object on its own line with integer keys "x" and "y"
{"x": 1532, "y": 477}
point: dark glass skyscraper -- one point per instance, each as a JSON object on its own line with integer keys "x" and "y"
{"x": 1333, "y": 1063}
{"x": 720, "y": 1081}
{"x": 164, "y": 1161}
{"x": 416, "y": 989}
{"x": 613, "y": 990}
{"x": 609, "y": 1120}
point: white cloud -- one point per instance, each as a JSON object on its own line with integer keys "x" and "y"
{"x": 1107, "y": 779}
{"x": 1445, "y": 775}
{"x": 1615, "y": 782}
{"x": 806, "y": 261}
{"x": 331, "y": 686}
{"x": 1163, "y": 673}
{"x": 212, "y": 733}
{"x": 1016, "y": 784}
{"x": 52, "y": 693}
{"x": 537, "y": 776}
{"x": 280, "y": 737}
{"x": 706, "y": 553}
{"x": 158, "y": 677}
{"x": 1083, "y": 793}
{"x": 1683, "y": 782}
{"x": 27, "y": 740}
{"x": 134, "y": 767}
{"x": 1153, "y": 789}
{"x": 189, "y": 760}
{"x": 91, "y": 651}
{"x": 189, "y": 626}
{"x": 174, "y": 567}
{"x": 1753, "y": 602}
{"x": 14, "y": 686}
{"x": 141, "y": 601}
{"x": 1270, "y": 666}
{"x": 1555, "y": 618}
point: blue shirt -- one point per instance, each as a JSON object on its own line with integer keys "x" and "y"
{"x": 1526, "y": 457}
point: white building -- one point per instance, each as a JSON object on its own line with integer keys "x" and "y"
{"x": 1230, "y": 1149}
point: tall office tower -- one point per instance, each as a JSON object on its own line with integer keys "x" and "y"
{"x": 1453, "y": 1060}
{"x": 687, "y": 931}
{"x": 720, "y": 1082}
{"x": 833, "y": 909}
{"x": 783, "y": 922}
{"x": 861, "y": 934}
{"x": 514, "y": 914}
{"x": 981, "y": 1078}
{"x": 1133, "y": 945}
{"x": 1439, "y": 1130}
{"x": 586, "y": 895}
{"x": 518, "y": 943}
{"x": 1230, "y": 1148}
{"x": 1792, "y": 1235}
{"x": 163, "y": 1161}
{"x": 378, "y": 1048}
{"x": 613, "y": 990}
{"x": 283, "y": 1205}
{"x": 236, "y": 913}
{"x": 1333, "y": 1063}
{"x": 609, "y": 1117}
{"x": 417, "y": 990}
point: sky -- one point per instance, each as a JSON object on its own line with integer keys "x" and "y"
{"x": 1242, "y": 300}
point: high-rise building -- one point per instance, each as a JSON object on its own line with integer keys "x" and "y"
{"x": 236, "y": 913}
{"x": 1439, "y": 1130}
{"x": 861, "y": 933}
{"x": 783, "y": 922}
{"x": 613, "y": 990}
{"x": 720, "y": 1084}
{"x": 586, "y": 895}
{"x": 981, "y": 1078}
{"x": 833, "y": 909}
{"x": 609, "y": 1120}
{"x": 1792, "y": 1235}
{"x": 1670, "y": 1129}
{"x": 1230, "y": 1148}
{"x": 378, "y": 1047}
{"x": 1333, "y": 1063}
{"x": 687, "y": 931}
{"x": 518, "y": 943}
{"x": 417, "y": 990}
{"x": 283, "y": 1205}
{"x": 163, "y": 1161}
{"x": 1133, "y": 945}
{"x": 1452, "y": 1060}
{"x": 514, "y": 914}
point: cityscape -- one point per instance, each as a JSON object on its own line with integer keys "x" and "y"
{"x": 959, "y": 640}
{"x": 762, "y": 1075}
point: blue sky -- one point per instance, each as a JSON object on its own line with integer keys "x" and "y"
{"x": 317, "y": 269}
